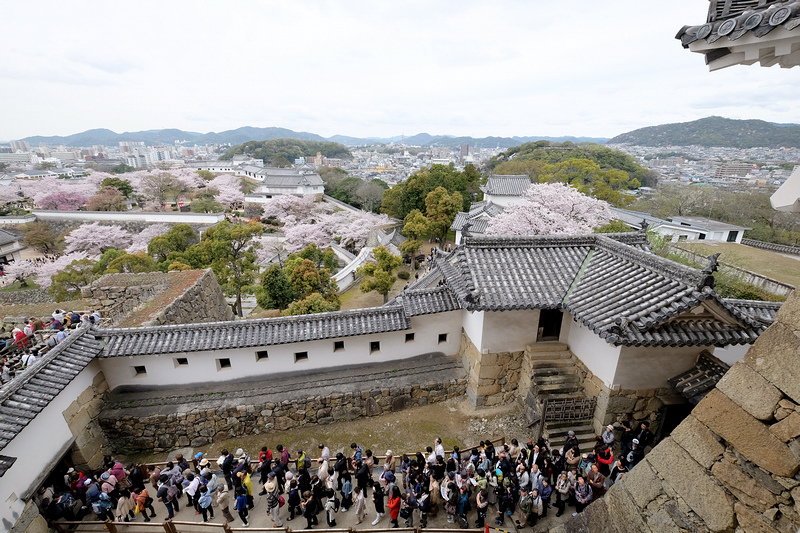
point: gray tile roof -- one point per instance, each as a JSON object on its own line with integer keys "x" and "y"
{"x": 251, "y": 333}
{"x": 611, "y": 283}
{"x": 288, "y": 177}
{"x": 477, "y": 225}
{"x": 7, "y": 237}
{"x": 32, "y": 390}
{"x": 763, "y": 312}
{"x": 427, "y": 301}
{"x": 477, "y": 216}
{"x": 506, "y": 185}
{"x": 696, "y": 382}
{"x": 732, "y": 20}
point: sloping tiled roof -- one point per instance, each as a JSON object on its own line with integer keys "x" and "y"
{"x": 611, "y": 283}
{"x": 249, "y": 333}
{"x": 288, "y": 177}
{"x": 763, "y": 312}
{"x": 478, "y": 212}
{"x": 736, "y": 32}
{"x": 427, "y": 301}
{"x": 696, "y": 382}
{"x": 477, "y": 225}
{"x": 30, "y": 392}
{"x": 506, "y": 185}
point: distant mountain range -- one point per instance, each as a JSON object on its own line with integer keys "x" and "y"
{"x": 241, "y": 135}
{"x": 715, "y": 131}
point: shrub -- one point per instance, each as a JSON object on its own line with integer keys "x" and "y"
{"x": 404, "y": 274}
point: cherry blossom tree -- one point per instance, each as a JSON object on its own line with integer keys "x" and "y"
{"x": 141, "y": 240}
{"x": 63, "y": 200}
{"x": 94, "y": 238}
{"x": 22, "y": 271}
{"x": 300, "y": 208}
{"x": 301, "y": 235}
{"x": 48, "y": 270}
{"x": 38, "y": 190}
{"x": 551, "y": 208}
{"x": 229, "y": 190}
{"x": 10, "y": 193}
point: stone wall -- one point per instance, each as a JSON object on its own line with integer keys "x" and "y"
{"x": 31, "y": 521}
{"x": 614, "y": 406}
{"x": 82, "y": 418}
{"x": 492, "y": 378}
{"x": 115, "y": 295}
{"x": 202, "y": 302}
{"x": 193, "y": 425}
{"x": 31, "y": 296}
{"x": 730, "y": 466}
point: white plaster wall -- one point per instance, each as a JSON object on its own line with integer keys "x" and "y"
{"x": 473, "y": 327}
{"x": 650, "y": 368}
{"x": 505, "y": 201}
{"x": 37, "y": 445}
{"x": 509, "y": 331}
{"x": 599, "y": 356}
{"x": 730, "y": 354}
{"x": 566, "y": 324}
{"x": 162, "y": 370}
{"x": 139, "y": 216}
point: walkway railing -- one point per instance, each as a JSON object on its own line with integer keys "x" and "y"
{"x": 175, "y": 526}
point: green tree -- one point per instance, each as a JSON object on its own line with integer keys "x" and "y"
{"x": 275, "y": 290}
{"x": 410, "y": 194}
{"x": 132, "y": 263}
{"x": 415, "y": 227}
{"x": 441, "y": 209}
{"x": 322, "y": 258}
{"x": 122, "y": 168}
{"x": 380, "y": 277}
{"x": 67, "y": 284}
{"x": 232, "y": 250}
{"x": 205, "y": 203}
{"x": 107, "y": 199}
{"x": 101, "y": 266}
{"x": 123, "y": 186}
{"x": 40, "y": 236}
{"x": 306, "y": 278}
{"x": 615, "y": 226}
{"x": 177, "y": 240}
{"x": 206, "y": 175}
{"x": 313, "y": 303}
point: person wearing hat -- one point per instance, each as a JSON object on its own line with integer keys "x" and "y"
{"x": 635, "y": 455}
{"x": 273, "y": 499}
{"x": 572, "y": 442}
{"x": 608, "y": 435}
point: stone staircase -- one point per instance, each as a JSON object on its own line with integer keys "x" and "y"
{"x": 550, "y": 374}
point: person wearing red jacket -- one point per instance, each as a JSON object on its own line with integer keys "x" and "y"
{"x": 605, "y": 458}
{"x": 394, "y": 506}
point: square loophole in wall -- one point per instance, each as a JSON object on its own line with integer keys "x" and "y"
{"x": 300, "y": 357}
{"x": 262, "y": 355}
{"x": 223, "y": 364}
{"x": 409, "y": 337}
{"x": 181, "y": 361}
{"x": 140, "y": 370}
{"x": 374, "y": 346}
{"x": 442, "y": 338}
{"x": 338, "y": 346}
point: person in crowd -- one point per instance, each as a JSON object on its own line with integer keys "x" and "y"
{"x": 241, "y": 506}
{"x": 223, "y": 502}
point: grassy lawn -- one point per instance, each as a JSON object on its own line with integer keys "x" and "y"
{"x": 16, "y": 287}
{"x": 764, "y": 262}
{"x": 355, "y": 299}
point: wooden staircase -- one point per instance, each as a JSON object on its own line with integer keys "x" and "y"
{"x": 554, "y": 387}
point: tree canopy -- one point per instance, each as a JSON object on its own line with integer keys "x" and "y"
{"x": 379, "y": 277}
{"x": 406, "y": 196}
{"x": 288, "y": 150}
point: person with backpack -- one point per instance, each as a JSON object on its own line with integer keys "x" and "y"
{"x": 241, "y": 506}
{"x": 168, "y": 494}
{"x": 331, "y": 507}
{"x": 144, "y": 503}
{"x": 273, "y": 499}
{"x": 409, "y": 506}
{"x": 303, "y": 462}
{"x": 102, "y": 507}
{"x": 204, "y": 502}
{"x": 294, "y": 498}
{"x": 347, "y": 492}
{"x": 310, "y": 509}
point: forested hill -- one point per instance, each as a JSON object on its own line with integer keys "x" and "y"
{"x": 282, "y": 152}
{"x": 714, "y": 131}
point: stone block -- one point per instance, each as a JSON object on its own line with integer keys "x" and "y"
{"x": 696, "y": 439}
{"x": 742, "y": 486}
{"x": 487, "y": 390}
{"x": 71, "y": 410}
{"x": 750, "y": 521}
{"x": 788, "y": 428}
{"x": 489, "y": 371}
{"x": 77, "y": 424}
{"x": 642, "y": 484}
{"x": 690, "y": 480}
{"x": 627, "y": 516}
{"x": 661, "y": 522}
{"x": 750, "y": 390}
{"x": 620, "y": 404}
{"x": 749, "y": 436}
{"x": 774, "y": 356}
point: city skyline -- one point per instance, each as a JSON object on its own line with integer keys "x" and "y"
{"x": 370, "y": 70}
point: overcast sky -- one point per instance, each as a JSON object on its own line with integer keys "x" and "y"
{"x": 369, "y": 68}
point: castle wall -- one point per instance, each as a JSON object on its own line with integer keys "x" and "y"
{"x": 492, "y": 378}
{"x": 54, "y": 431}
{"x": 204, "y": 301}
{"x": 732, "y": 464}
{"x": 164, "y": 370}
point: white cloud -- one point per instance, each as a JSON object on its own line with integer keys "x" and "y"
{"x": 362, "y": 68}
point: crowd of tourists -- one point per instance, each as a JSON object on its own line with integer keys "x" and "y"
{"x": 518, "y": 482}
{"x": 26, "y": 345}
